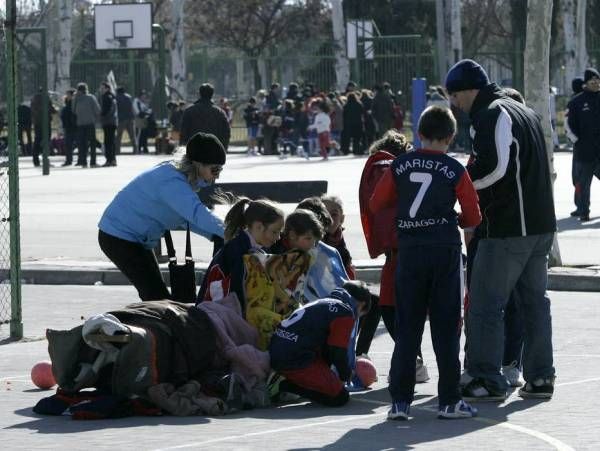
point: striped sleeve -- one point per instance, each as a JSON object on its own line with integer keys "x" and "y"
{"x": 492, "y": 144}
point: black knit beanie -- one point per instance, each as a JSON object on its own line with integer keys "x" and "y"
{"x": 206, "y": 149}
{"x": 590, "y": 73}
{"x": 577, "y": 85}
{"x": 466, "y": 74}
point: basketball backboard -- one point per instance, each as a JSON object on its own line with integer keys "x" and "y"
{"x": 123, "y": 26}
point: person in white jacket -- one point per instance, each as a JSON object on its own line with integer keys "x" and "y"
{"x": 322, "y": 125}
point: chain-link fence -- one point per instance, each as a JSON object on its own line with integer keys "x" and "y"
{"x": 5, "y": 292}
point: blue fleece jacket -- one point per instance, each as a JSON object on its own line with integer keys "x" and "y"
{"x": 157, "y": 200}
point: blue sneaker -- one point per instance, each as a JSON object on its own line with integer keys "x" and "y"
{"x": 459, "y": 410}
{"x": 355, "y": 385}
{"x": 399, "y": 411}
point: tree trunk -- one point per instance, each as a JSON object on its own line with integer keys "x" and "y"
{"x": 537, "y": 79}
{"x": 178, "y": 66}
{"x": 63, "y": 56}
{"x": 568, "y": 16}
{"x": 580, "y": 30}
{"x": 51, "y": 47}
{"x": 256, "y": 73}
{"x": 342, "y": 64}
{"x": 455, "y": 31}
{"x": 440, "y": 27}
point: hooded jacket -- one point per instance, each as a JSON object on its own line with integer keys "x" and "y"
{"x": 584, "y": 123}
{"x": 509, "y": 168}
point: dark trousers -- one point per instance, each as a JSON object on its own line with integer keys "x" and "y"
{"x": 86, "y": 142}
{"x": 354, "y": 135}
{"x": 25, "y": 147}
{"x": 123, "y": 126}
{"x": 427, "y": 280}
{"x": 70, "y": 142}
{"x": 37, "y": 143}
{"x": 367, "y": 327}
{"x": 583, "y": 173}
{"x": 109, "y": 142}
{"x": 138, "y": 264}
{"x": 143, "y": 140}
{"x": 513, "y": 319}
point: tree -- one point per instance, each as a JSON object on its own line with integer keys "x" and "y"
{"x": 178, "y": 64}
{"x": 63, "y": 56}
{"x": 537, "y": 77}
{"x": 342, "y": 64}
{"x": 449, "y": 34}
{"x": 256, "y": 26}
{"x": 580, "y": 31}
{"x": 568, "y": 19}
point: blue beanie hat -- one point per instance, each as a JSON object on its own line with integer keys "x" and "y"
{"x": 590, "y": 73}
{"x": 466, "y": 74}
{"x": 577, "y": 85}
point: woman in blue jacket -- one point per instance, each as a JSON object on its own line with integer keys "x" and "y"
{"x": 160, "y": 199}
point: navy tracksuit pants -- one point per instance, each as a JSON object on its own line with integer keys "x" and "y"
{"x": 427, "y": 281}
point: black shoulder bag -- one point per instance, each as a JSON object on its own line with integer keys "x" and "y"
{"x": 182, "y": 277}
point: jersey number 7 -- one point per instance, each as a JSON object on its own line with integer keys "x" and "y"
{"x": 424, "y": 178}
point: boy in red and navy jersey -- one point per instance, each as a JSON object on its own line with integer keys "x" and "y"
{"x": 316, "y": 336}
{"x": 425, "y": 185}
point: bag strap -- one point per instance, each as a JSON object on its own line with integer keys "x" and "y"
{"x": 170, "y": 248}
{"x": 188, "y": 245}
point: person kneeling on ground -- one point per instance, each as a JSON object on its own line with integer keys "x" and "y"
{"x": 315, "y": 337}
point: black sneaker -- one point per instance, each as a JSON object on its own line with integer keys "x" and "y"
{"x": 538, "y": 389}
{"x": 584, "y": 218}
{"x": 477, "y": 390}
{"x": 575, "y": 214}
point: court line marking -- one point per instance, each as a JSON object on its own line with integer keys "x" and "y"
{"x": 560, "y": 446}
{"x": 272, "y": 431}
{"x": 554, "y": 355}
{"x": 582, "y": 381}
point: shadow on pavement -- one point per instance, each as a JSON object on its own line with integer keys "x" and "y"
{"x": 423, "y": 427}
{"x": 63, "y": 424}
{"x": 571, "y": 223}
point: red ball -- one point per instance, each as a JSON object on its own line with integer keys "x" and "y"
{"x": 42, "y": 376}
{"x": 366, "y": 371}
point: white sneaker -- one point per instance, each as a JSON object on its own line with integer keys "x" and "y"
{"x": 421, "y": 374}
{"x": 455, "y": 411}
{"x": 300, "y": 152}
{"x": 513, "y": 375}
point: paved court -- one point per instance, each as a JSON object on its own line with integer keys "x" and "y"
{"x": 569, "y": 421}
{"x": 60, "y": 212}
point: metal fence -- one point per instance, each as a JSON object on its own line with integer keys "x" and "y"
{"x": 5, "y": 287}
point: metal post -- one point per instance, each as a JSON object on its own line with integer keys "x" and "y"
{"x": 46, "y": 117}
{"x": 132, "y": 88}
{"x": 16, "y": 323}
{"x": 162, "y": 98}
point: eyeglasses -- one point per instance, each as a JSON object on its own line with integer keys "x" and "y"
{"x": 216, "y": 170}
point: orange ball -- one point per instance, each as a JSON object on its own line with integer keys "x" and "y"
{"x": 42, "y": 376}
{"x": 366, "y": 371}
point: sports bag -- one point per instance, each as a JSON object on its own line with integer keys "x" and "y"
{"x": 182, "y": 277}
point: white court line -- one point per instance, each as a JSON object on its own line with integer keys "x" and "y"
{"x": 555, "y": 355}
{"x": 10, "y": 378}
{"x": 272, "y": 431}
{"x": 560, "y": 446}
{"x": 583, "y": 381}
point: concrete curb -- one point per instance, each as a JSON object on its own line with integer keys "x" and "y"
{"x": 101, "y": 273}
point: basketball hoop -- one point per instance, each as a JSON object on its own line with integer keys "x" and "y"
{"x": 123, "y": 26}
{"x": 117, "y": 43}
